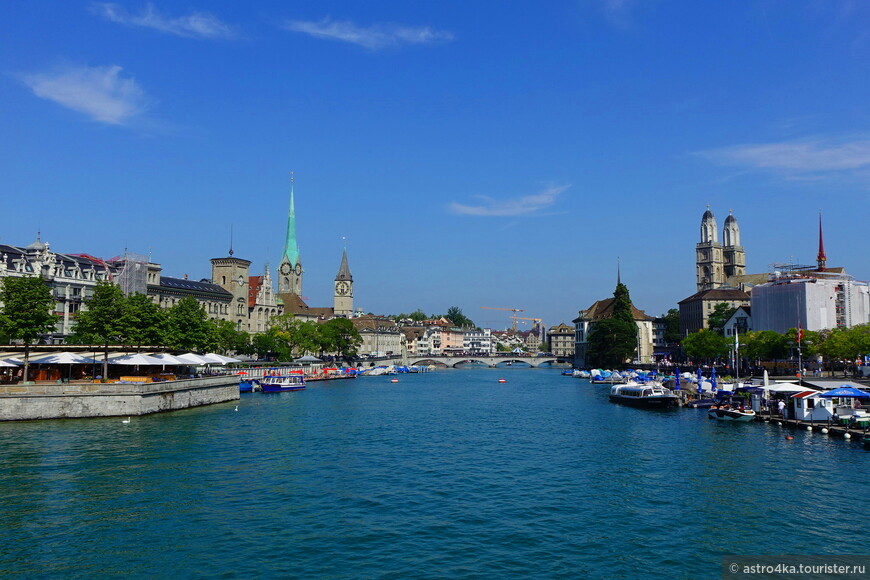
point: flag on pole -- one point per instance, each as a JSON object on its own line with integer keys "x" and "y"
{"x": 800, "y": 332}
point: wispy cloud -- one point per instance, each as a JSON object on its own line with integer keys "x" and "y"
{"x": 797, "y": 157}
{"x": 527, "y": 205}
{"x": 98, "y": 92}
{"x": 372, "y": 37}
{"x": 195, "y": 25}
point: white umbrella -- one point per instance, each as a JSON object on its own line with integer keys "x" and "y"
{"x": 63, "y": 358}
{"x": 168, "y": 359}
{"x": 766, "y": 378}
{"x": 219, "y": 357}
{"x": 788, "y": 388}
{"x": 4, "y": 363}
{"x": 190, "y": 358}
{"x": 136, "y": 359}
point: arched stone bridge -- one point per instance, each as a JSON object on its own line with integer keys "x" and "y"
{"x": 491, "y": 361}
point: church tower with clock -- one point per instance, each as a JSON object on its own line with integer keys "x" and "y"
{"x": 290, "y": 268}
{"x": 343, "y": 296}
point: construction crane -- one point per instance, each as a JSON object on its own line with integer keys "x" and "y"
{"x": 514, "y": 310}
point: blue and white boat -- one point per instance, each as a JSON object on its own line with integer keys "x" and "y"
{"x": 281, "y": 383}
{"x": 249, "y": 385}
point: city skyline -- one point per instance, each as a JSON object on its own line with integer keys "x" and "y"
{"x": 483, "y": 155}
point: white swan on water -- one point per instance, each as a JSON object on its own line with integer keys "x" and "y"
{"x": 127, "y": 420}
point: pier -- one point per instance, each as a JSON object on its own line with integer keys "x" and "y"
{"x": 29, "y": 401}
{"x": 860, "y": 432}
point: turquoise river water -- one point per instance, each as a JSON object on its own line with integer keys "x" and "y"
{"x": 448, "y": 474}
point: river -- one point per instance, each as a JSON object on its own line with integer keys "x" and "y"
{"x": 449, "y": 474}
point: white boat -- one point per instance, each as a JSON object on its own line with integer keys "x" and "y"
{"x": 643, "y": 395}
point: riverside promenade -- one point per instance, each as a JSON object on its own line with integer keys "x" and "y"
{"x": 86, "y": 399}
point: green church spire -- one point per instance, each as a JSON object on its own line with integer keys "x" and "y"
{"x": 291, "y": 250}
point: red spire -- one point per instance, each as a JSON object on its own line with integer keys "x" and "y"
{"x": 821, "y": 258}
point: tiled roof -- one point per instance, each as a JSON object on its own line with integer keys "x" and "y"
{"x": 182, "y": 284}
{"x": 254, "y": 283}
{"x": 294, "y": 304}
{"x": 604, "y": 309}
{"x": 723, "y": 294}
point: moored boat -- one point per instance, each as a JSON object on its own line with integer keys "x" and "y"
{"x": 643, "y": 395}
{"x": 249, "y": 385}
{"x": 281, "y": 383}
{"x": 729, "y": 413}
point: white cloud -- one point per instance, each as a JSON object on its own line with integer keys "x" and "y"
{"x": 804, "y": 156}
{"x": 527, "y": 205}
{"x": 98, "y": 92}
{"x": 196, "y": 25}
{"x": 373, "y": 37}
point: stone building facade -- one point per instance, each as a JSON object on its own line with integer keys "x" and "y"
{"x": 561, "y": 340}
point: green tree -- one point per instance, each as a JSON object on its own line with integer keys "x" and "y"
{"x": 770, "y": 345}
{"x": 672, "y": 326}
{"x": 103, "y": 320}
{"x": 143, "y": 322}
{"x": 613, "y": 340}
{"x": 293, "y": 336}
{"x": 809, "y": 343}
{"x": 418, "y": 316}
{"x": 339, "y": 336}
{"x": 705, "y": 344}
{"x": 264, "y": 344}
{"x": 720, "y": 315}
{"x": 189, "y": 326}
{"x": 27, "y": 313}
{"x": 227, "y": 338}
{"x": 455, "y": 315}
{"x": 846, "y": 344}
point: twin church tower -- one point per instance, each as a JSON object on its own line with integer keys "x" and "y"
{"x": 717, "y": 261}
{"x": 290, "y": 277}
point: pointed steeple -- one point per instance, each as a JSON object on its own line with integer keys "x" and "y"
{"x": 291, "y": 250}
{"x": 822, "y": 259}
{"x": 618, "y": 272}
{"x": 344, "y": 270}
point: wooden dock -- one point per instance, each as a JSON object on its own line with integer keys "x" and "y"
{"x": 859, "y": 433}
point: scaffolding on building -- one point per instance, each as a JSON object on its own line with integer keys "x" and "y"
{"x": 131, "y": 273}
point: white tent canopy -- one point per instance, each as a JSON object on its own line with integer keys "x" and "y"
{"x": 190, "y": 358}
{"x": 168, "y": 359}
{"x": 787, "y": 388}
{"x": 213, "y": 358}
{"x": 64, "y": 358}
{"x": 136, "y": 359}
{"x": 6, "y": 363}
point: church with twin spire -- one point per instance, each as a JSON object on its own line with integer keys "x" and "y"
{"x": 290, "y": 273}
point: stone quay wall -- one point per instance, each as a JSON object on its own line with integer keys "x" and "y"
{"x": 78, "y": 400}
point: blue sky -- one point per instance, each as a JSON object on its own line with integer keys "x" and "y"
{"x": 472, "y": 153}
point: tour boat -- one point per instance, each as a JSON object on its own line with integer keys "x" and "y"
{"x": 643, "y": 395}
{"x": 281, "y": 383}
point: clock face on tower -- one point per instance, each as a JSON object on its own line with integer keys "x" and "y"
{"x": 299, "y": 269}
{"x": 341, "y": 288}
{"x": 285, "y": 268}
